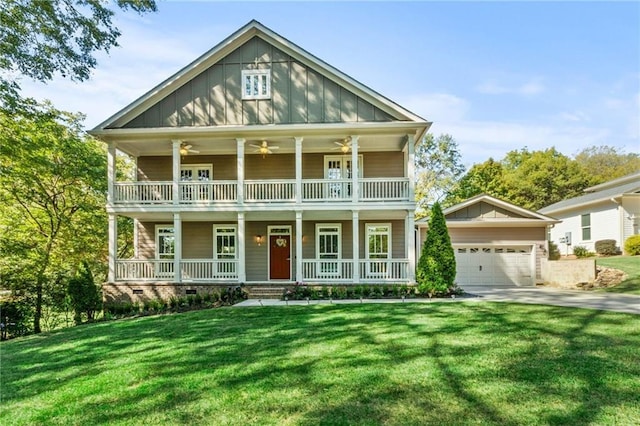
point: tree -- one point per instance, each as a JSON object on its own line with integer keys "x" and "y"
{"x": 530, "y": 179}
{"x": 52, "y": 193}
{"x": 483, "y": 178}
{"x": 436, "y": 270}
{"x": 606, "y": 163}
{"x": 41, "y": 38}
{"x": 84, "y": 294}
{"x": 438, "y": 167}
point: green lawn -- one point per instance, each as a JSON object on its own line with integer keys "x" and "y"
{"x": 628, "y": 264}
{"x": 401, "y": 364}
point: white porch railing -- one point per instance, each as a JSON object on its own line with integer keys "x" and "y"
{"x": 207, "y": 269}
{"x": 192, "y": 270}
{"x": 384, "y": 189}
{"x": 270, "y": 190}
{"x": 208, "y": 191}
{"x": 142, "y": 270}
{"x": 326, "y": 190}
{"x": 142, "y": 192}
{"x": 384, "y": 269}
{"x": 323, "y": 270}
{"x": 280, "y": 190}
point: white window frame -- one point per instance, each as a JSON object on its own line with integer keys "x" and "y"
{"x": 258, "y": 78}
{"x": 221, "y": 265}
{"x": 344, "y": 159}
{"x": 378, "y": 269}
{"x": 202, "y": 192}
{"x": 164, "y": 269}
{"x": 584, "y": 228}
{"x": 327, "y": 268}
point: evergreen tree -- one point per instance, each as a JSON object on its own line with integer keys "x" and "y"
{"x": 436, "y": 269}
{"x": 84, "y": 294}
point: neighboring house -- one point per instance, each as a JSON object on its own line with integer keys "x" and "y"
{"x": 609, "y": 211}
{"x": 260, "y": 164}
{"x": 495, "y": 242}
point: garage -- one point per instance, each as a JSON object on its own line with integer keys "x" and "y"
{"x": 496, "y": 243}
{"x": 495, "y": 266}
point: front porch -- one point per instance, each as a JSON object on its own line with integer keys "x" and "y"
{"x": 314, "y": 271}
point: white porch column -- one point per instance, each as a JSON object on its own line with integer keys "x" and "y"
{"x": 113, "y": 247}
{"x": 411, "y": 167}
{"x": 298, "y": 170}
{"x": 136, "y": 252}
{"x": 240, "y": 195}
{"x": 355, "y": 224}
{"x": 242, "y": 243}
{"x": 355, "y": 167}
{"x": 176, "y": 170}
{"x": 299, "y": 246}
{"x": 177, "y": 248}
{"x": 410, "y": 241}
{"x": 111, "y": 171}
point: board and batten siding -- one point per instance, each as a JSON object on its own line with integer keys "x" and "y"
{"x": 482, "y": 210}
{"x": 299, "y": 94}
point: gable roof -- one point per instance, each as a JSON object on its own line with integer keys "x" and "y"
{"x": 616, "y": 188}
{"x": 516, "y": 216}
{"x": 233, "y": 42}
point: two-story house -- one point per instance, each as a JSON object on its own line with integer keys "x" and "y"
{"x": 260, "y": 164}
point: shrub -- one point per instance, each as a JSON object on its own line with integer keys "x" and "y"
{"x": 16, "y": 316}
{"x": 606, "y": 247}
{"x": 632, "y": 245}
{"x": 84, "y": 294}
{"x": 581, "y": 251}
{"x": 436, "y": 269}
{"x": 554, "y": 252}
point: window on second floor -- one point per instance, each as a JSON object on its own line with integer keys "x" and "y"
{"x": 585, "y": 222}
{"x": 256, "y": 84}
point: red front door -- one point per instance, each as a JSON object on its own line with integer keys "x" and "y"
{"x": 280, "y": 257}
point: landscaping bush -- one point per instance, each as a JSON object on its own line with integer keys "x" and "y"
{"x": 84, "y": 294}
{"x": 581, "y": 252}
{"x": 632, "y": 245}
{"x": 436, "y": 269}
{"x": 606, "y": 247}
{"x": 16, "y": 317}
{"x": 554, "y": 252}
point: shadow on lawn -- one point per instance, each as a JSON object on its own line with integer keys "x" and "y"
{"x": 398, "y": 364}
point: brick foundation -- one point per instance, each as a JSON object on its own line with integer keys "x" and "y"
{"x": 136, "y": 292}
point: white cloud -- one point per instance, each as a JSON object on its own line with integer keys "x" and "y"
{"x": 438, "y": 107}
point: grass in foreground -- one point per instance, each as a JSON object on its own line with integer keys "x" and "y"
{"x": 431, "y": 363}
{"x": 628, "y": 264}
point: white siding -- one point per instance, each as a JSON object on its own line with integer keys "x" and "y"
{"x": 630, "y": 216}
{"x": 605, "y": 224}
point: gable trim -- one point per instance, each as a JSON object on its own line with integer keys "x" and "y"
{"x": 237, "y": 39}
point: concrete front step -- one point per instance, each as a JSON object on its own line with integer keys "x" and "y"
{"x": 266, "y": 292}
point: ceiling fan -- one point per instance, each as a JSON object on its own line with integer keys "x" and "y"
{"x": 344, "y": 145}
{"x": 264, "y": 148}
{"x": 186, "y": 148}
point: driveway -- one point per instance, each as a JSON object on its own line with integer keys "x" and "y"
{"x": 550, "y": 296}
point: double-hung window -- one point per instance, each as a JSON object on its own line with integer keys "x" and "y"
{"x": 585, "y": 223}
{"x": 256, "y": 84}
{"x": 378, "y": 248}
{"x": 165, "y": 250}
{"x": 328, "y": 249}
{"x": 224, "y": 250}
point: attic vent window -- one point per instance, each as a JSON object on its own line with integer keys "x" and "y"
{"x": 256, "y": 84}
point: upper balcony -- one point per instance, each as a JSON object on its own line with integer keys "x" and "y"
{"x": 260, "y": 191}
{"x": 228, "y": 173}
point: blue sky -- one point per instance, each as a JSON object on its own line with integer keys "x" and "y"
{"x": 497, "y": 76}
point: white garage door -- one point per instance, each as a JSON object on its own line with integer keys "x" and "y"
{"x": 493, "y": 266}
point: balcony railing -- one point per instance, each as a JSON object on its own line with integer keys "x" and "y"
{"x": 260, "y": 191}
